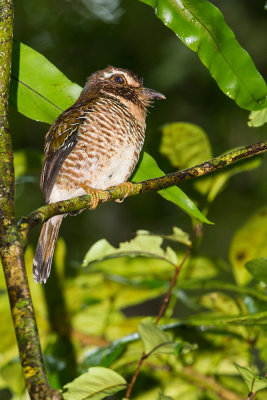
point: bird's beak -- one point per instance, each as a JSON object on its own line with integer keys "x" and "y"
{"x": 152, "y": 94}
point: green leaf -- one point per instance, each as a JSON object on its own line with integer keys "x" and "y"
{"x": 162, "y": 396}
{"x": 148, "y": 169}
{"x": 257, "y": 118}
{"x": 179, "y": 236}
{"x": 103, "y": 357}
{"x": 247, "y": 374}
{"x": 218, "y": 182}
{"x": 249, "y": 242}
{"x": 144, "y": 244}
{"x": 201, "y": 27}
{"x": 154, "y": 339}
{"x": 258, "y": 268}
{"x": 185, "y": 144}
{"x": 12, "y": 375}
{"x": 95, "y": 384}
{"x": 253, "y": 381}
{"x": 26, "y": 161}
{"x": 38, "y": 89}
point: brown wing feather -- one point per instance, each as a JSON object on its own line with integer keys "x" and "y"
{"x": 59, "y": 142}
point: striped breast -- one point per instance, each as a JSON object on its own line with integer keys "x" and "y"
{"x": 108, "y": 148}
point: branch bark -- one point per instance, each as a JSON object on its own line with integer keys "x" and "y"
{"x": 117, "y": 192}
{"x": 11, "y": 246}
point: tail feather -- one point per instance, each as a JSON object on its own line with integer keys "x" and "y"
{"x": 45, "y": 249}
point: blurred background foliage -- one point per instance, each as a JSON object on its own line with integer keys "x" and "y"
{"x": 81, "y": 311}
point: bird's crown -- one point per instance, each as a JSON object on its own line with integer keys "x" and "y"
{"x": 122, "y": 84}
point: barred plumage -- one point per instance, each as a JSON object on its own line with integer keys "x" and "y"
{"x": 94, "y": 144}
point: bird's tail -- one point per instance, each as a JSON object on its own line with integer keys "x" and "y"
{"x": 45, "y": 249}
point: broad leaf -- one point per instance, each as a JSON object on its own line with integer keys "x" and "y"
{"x": 95, "y": 384}
{"x": 144, "y": 244}
{"x": 185, "y": 144}
{"x": 38, "y": 89}
{"x": 258, "y": 268}
{"x": 258, "y": 118}
{"x": 149, "y": 169}
{"x": 253, "y": 381}
{"x": 201, "y": 27}
{"x": 247, "y": 374}
{"x": 154, "y": 339}
{"x": 249, "y": 242}
{"x": 164, "y": 397}
{"x": 103, "y": 357}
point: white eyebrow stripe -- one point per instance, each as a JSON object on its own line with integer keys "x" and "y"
{"x": 108, "y": 74}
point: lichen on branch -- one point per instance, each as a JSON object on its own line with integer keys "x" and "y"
{"x": 116, "y": 192}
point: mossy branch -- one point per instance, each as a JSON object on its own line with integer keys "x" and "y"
{"x": 11, "y": 246}
{"x": 117, "y": 192}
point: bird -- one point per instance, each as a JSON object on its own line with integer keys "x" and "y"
{"x": 93, "y": 145}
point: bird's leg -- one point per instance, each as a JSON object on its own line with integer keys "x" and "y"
{"x": 127, "y": 187}
{"x": 95, "y": 195}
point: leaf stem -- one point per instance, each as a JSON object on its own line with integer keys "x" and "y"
{"x": 160, "y": 315}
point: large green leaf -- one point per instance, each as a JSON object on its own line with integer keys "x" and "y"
{"x": 95, "y": 384}
{"x": 149, "y": 169}
{"x": 249, "y": 242}
{"x": 258, "y": 118}
{"x": 253, "y": 381}
{"x": 144, "y": 244}
{"x": 201, "y": 27}
{"x": 258, "y": 268}
{"x": 38, "y": 89}
{"x": 185, "y": 144}
{"x": 154, "y": 339}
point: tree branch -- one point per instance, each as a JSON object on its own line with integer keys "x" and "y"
{"x": 11, "y": 246}
{"x": 117, "y": 192}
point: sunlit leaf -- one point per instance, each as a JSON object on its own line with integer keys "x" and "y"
{"x": 164, "y": 397}
{"x": 249, "y": 242}
{"x": 185, "y": 144}
{"x": 218, "y": 182}
{"x": 201, "y": 27}
{"x": 149, "y": 169}
{"x": 38, "y": 89}
{"x": 144, "y": 244}
{"x": 220, "y": 302}
{"x": 259, "y": 319}
{"x": 11, "y": 373}
{"x": 26, "y": 161}
{"x": 257, "y": 118}
{"x": 154, "y": 339}
{"x": 253, "y": 381}
{"x": 247, "y": 374}
{"x": 258, "y": 268}
{"x": 95, "y": 384}
{"x": 179, "y": 236}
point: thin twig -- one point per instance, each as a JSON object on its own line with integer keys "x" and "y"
{"x": 173, "y": 282}
{"x": 162, "y": 310}
{"x": 251, "y": 396}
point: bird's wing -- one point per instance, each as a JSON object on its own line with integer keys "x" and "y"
{"x": 59, "y": 142}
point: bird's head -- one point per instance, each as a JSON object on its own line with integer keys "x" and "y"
{"x": 121, "y": 84}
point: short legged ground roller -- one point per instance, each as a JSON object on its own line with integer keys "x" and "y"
{"x": 94, "y": 144}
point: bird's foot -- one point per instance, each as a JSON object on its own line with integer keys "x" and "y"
{"x": 127, "y": 189}
{"x": 97, "y": 195}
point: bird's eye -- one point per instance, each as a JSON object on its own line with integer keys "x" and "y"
{"x": 119, "y": 79}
